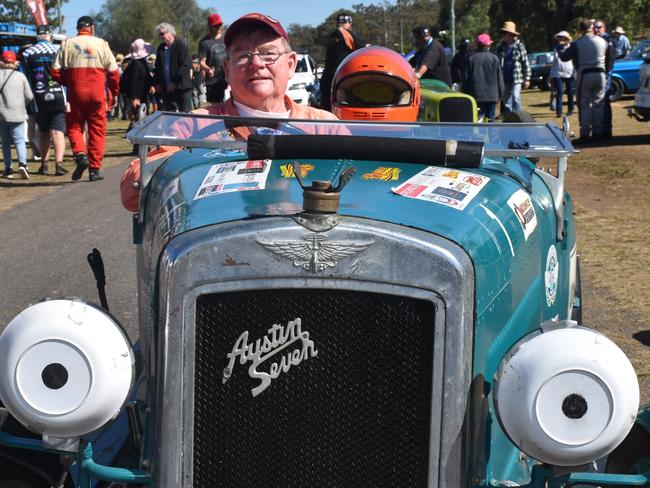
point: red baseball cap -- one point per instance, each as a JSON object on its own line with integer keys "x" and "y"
{"x": 9, "y": 56}
{"x": 214, "y": 20}
{"x": 254, "y": 17}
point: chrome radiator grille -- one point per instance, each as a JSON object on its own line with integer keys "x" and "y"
{"x": 357, "y": 413}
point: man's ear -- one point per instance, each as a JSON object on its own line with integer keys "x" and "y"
{"x": 292, "y": 60}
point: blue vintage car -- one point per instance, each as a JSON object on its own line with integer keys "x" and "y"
{"x": 329, "y": 303}
{"x": 625, "y": 74}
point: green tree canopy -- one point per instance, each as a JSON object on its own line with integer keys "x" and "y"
{"x": 120, "y": 22}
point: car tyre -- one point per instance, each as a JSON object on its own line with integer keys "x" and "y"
{"x": 545, "y": 84}
{"x": 518, "y": 117}
{"x": 19, "y": 478}
{"x": 632, "y": 455}
{"x": 617, "y": 89}
{"x": 576, "y": 310}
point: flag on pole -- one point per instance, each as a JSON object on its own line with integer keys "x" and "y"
{"x": 38, "y": 11}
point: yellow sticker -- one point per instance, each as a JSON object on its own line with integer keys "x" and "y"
{"x": 451, "y": 174}
{"x": 287, "y": 170}
{"x": 382, "y": 173}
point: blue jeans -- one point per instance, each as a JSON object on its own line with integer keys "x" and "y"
{"x": 512, "y": 97}
{"x": 559, "y": 84}
{"x": 13, "y": 131}
{"x": 488, "y": 110}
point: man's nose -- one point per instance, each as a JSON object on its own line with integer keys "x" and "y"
{"x": 256, "y": 60}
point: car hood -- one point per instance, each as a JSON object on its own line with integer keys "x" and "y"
{"x": 488, "y": 225}
{"x": 627, "y": 64}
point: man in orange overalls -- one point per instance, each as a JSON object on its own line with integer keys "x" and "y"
{"x": 85, "y": 64}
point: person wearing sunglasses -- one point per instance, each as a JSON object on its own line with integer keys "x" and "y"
{"x": 600, "y": 29}
{"x": 591, "y": 58}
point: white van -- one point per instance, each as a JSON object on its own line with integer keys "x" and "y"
{"x": 304, "y": 77}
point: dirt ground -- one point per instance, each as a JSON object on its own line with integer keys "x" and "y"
{"x": 609, "y": 185}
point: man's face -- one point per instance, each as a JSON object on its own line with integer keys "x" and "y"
{"x": 507, "y": 37}
{"x": 252, "y": 81}
{"x": 599, "y": 28}
{"x": 166, "y": 37}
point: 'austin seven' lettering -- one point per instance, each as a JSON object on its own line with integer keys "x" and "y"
{"x": 279, "y": 339}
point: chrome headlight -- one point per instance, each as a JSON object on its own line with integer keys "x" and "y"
{"x": 66, "y": 368}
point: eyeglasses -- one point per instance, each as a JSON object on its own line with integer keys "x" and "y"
{"x": 243, "y": 58}
{"x": 161, "y": 34}
{"x": 598, "y": 26}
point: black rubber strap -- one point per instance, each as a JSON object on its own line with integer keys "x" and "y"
{"x": 463, "y": 155}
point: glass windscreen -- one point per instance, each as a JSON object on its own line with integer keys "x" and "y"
{"x": 198, "y": 130}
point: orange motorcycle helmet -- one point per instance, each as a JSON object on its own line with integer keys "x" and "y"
{"x": 375, "y": 83}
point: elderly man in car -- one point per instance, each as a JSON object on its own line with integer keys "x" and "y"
{"x": 259, "y": 64}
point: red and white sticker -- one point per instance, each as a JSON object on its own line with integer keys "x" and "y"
{"x": 453, "y": 188}
{"x": 233, "y": 177}
{"x": 521, "y": 204}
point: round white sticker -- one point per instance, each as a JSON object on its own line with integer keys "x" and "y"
{"x": 551, "y": 274}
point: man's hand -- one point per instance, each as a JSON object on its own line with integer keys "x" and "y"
{"x": 526, "y": 84}
{"x": 135, "y": 103}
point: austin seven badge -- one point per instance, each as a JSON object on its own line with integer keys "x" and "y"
{"x": 277, "y": 352}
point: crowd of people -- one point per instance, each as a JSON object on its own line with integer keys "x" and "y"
{"x": 74, "y": 90}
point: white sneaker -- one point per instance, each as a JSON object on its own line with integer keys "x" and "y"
{"x": 24, "y": 172}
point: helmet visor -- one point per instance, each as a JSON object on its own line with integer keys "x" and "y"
{"x": 373, "y": 90}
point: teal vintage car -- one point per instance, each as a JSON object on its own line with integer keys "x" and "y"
{"x": 328, "y": 303}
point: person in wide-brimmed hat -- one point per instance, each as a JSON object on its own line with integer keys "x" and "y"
{"x": 562, "y": 74}
{"x": 516, "y": 68}
{"x": 621, "y": 43}
{"x": 509, "y": 27}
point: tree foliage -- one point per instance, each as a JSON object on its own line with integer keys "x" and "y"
{"x": 120, "y": 22}
{"x": 539, "y": 20}
{"x": 386, "y": 23}
{"x": 18, "y": 11}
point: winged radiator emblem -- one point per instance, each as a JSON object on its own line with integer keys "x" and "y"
{"x": 314, "y": 254}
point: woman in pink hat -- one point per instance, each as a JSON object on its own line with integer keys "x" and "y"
{"x": 484, "y": 78}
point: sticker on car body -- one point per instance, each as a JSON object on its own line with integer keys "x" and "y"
{"x": 287, "y": 170}
{"x": 453, "y": 188}
{"x": 523, "y": 208}
{"x": 234, "y": 177}
{"x": 551, "y": 275}
{"x": 382, "y": 173}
